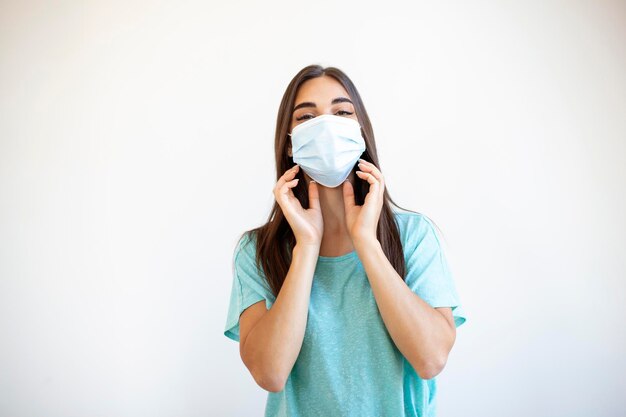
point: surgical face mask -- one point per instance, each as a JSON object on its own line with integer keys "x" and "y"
{"x": 327, "y": 147}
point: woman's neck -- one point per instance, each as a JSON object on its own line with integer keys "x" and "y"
{"x": 336, "y": 240}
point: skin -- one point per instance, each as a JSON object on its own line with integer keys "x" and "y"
{"x": 270, "y": 340}
{"x": 334, "y": 235}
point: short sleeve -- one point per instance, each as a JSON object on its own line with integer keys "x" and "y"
{"x": 428, "y": 272}
{"x": 249, "y": 285}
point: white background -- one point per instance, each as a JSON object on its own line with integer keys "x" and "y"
{"x": 136, "y": 144}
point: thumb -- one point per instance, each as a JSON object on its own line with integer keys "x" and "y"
{"x": 314, "y": 196}
{"x": 348, "y": 195}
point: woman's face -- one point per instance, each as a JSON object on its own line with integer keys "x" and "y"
{"x": 321, "y": 95}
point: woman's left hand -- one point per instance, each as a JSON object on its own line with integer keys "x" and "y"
{"x": 362, "y": 221}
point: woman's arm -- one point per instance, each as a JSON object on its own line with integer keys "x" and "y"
{"x": 423, "y": 334}
{"x": 270, "y": 345}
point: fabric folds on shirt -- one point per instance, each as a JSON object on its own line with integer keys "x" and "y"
{"x": 348, "y": 364}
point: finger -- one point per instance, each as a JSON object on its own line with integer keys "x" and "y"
{"x": 287, "y": 176}
{"x": 348, "y": 195}
{"x": 374, "y": 185}
{"x": 288, "y": 185}
{"x": 371, "y": 168}
{"x": 314, "y": 196}
{"x": 290, "y": 173}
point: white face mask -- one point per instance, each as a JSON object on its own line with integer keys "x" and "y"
{"x": 327, "y": 147}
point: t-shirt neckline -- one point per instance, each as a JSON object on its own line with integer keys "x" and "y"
{"x": 339, "y": 258}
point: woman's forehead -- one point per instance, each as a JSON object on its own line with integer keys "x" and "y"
{"x": 320, "y": 90}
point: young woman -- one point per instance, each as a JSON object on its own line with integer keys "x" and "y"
{"x": 342, "y": 306}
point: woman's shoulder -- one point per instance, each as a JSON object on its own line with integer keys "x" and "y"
{"x": 245, "y": 245}
{"x": 415, "y": 228}
{"x": 411, "y": 220}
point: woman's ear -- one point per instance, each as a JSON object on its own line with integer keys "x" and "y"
{"x": 289, "y": 151}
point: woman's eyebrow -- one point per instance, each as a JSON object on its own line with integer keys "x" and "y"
{"x": 311, "y": 104}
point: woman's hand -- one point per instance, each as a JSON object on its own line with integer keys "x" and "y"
{"x": 307, "y": 225}
{"x": 362, "y": 221}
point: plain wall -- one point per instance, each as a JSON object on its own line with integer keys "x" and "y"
{"x": 136, "y": 145}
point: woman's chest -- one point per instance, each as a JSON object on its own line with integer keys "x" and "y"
{"x": 345, "y": 341}
{"x": 343, "y": 316}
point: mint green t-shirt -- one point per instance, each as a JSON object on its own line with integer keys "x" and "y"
{"x": 348, "y": 364}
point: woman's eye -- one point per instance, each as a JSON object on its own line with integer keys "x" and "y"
{"x": 310, "y": 116}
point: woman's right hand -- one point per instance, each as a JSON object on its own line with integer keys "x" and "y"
{"x": 307, "y": 225}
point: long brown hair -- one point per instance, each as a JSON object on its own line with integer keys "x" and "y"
{"x": 275, "y": 239}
